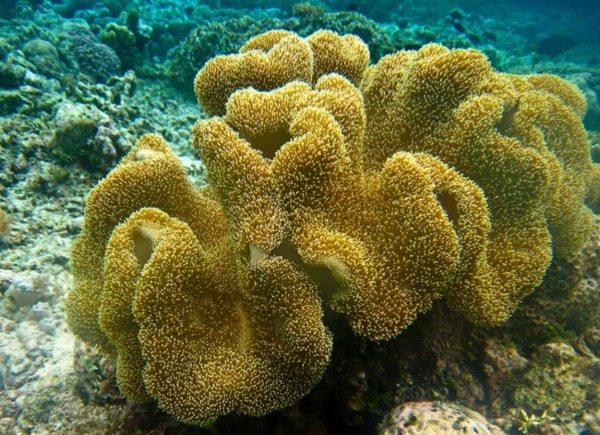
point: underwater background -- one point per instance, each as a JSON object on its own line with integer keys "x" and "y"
{"x": 81, "y": 81}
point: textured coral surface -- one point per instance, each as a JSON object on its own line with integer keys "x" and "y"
{"x": 191, "y": 323}
{"x": 371, "y": 191}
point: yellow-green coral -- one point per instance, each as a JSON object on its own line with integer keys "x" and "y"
{"x": 373, "y": 190}
{"x": 363, "y": 227}
{"x": 191, "y": 322}
{"x": 278, "y": 57}
{"x": 5, "y": 220}
{"x": 265, "y": 62}
{"x": 218, "y": 338}
{"x": 518, "y": 139}
{"x": 345, "y": 55}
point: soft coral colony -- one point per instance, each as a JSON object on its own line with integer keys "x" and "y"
{"x": 373, "y": 190}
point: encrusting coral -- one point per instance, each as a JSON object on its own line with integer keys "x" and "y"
{"x": 373, "y": 190}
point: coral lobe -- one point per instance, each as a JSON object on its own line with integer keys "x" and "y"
{"x": 372, "y": 190}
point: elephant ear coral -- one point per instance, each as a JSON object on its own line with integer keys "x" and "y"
{"x": 505, "y": 195}
{"x": 238, "y": 149}
{"x": 345, "y": 55}
{"x": 386, "y": 237}
{"x": 265, "y": 62}
{"x": 149, "y": 176}
{"x": 374, "y": 232}
{"x": 372, "y": 190}
{"x": 521, "y": 139}
{"x": 276, "y": 58}
{"x": 217, "y": 338}
{"x": 192, "y": 323}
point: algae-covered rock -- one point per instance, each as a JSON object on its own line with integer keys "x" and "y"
{"x": 25, "y": 290}
{"x": 122, "y": 40}
{"x": 96, "y": 377}
{"x": 5, "y": 220}
{"x": 67, "y": 8}
{"x": 128, "y": 41}
{"x": 566, "y": 385}
{"x": 44, "y": 56}
{"x": 86, "y": 135}
{"x": 12, "y": 72}
{"x": 433, "y": 418}
{"x": 10, "y": 102}
{"x": 502, "y": 366}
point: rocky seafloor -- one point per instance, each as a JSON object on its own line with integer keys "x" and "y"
{"x": 81, "y": 81}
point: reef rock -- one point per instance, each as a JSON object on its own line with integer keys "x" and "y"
{"x": 44, "y": 56}
{"x": 434, "y": 418}
{"x": 86, "y": 135}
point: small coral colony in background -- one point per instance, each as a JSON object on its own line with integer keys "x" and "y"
{"x": 371, "y": 190}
